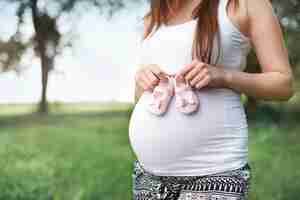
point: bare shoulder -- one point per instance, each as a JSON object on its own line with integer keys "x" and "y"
{"x": 260, "y": 9}
{"x": 147, "y": 22}
{"x": 238, "y": 13}
{"x": 249, "y": 14}
{"x": 262, "y": 19}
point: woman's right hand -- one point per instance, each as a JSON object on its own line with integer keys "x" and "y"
{"x": 148, "y": 76}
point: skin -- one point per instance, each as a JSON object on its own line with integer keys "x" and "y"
{"x": 256, "y": 20}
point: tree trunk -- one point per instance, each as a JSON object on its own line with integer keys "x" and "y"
{"x": 41, "y": 45}
{"x": 43, "y": 106}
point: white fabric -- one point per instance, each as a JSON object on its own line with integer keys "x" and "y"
{"x": 212, "y": 140}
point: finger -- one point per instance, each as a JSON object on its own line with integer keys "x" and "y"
{"x": 162, "y": 76}
{"x": 159, "y": 73}
{"x": 146, "y": 81}
{"x": 142, "y": 84}
{"x": 203, "y": 82}
{"x": 143, "y": 80}
{"x": 185, "y": 69}
{"x": 200, "y": 67}
{"x": 193, "y": 73}
{"x": 148, "y": 87}
{"x": 199, "y": 77}
{"x": 152, "y": 78}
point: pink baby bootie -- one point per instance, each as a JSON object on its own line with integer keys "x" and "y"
{"x": 186, "y": 100}
{"x": 161, "y": 97}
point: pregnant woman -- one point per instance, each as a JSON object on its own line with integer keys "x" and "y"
{"x": 203, "y": 155}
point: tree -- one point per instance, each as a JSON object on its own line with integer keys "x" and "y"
{"x": 289, "y": 16}
{"x": 47, "y": 39}
{"x": 11, "y": 52}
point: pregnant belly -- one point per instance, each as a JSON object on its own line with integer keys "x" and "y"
{"x": 164, "y": 140}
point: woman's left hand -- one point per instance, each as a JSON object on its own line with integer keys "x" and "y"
{"x": 199, "y": 74}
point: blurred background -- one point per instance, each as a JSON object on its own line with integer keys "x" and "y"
{"x": 67, "y": 93}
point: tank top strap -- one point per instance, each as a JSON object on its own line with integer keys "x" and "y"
{"x": 224, "y": 4}
{"x": 227, "y": 23}
{"x": 223, "y": 9}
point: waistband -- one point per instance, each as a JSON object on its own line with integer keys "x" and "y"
{"x": 234, "y": 182}
{"x": 138, "y": 168}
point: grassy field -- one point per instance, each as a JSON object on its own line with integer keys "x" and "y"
{"x": 82, "y": 152}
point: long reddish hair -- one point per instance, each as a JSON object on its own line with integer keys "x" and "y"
{"x": 207, "y": 26}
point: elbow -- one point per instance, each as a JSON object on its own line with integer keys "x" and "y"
{"x": 289, "y": 89}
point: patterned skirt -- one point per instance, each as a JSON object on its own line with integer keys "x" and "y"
{"x": 229, "y": 185}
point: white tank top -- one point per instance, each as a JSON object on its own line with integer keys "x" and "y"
{"x": 212, "y": 140}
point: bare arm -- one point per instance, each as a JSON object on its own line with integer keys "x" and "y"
{"x": 276, "y": 82}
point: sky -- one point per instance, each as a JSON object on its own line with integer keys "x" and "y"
{"x": 99, "y": 67}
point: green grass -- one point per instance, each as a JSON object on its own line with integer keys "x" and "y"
{"x": 82, "y": 152}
